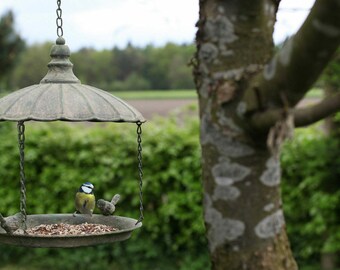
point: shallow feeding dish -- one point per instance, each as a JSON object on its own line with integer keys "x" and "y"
{"x": 124, "y": 225}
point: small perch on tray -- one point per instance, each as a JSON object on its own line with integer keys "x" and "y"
{"x": 12, "y": 223}
{"x": 107, "y": 208}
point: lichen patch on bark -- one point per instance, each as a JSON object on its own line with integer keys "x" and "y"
{"x": 226, "y": 146}
{"x": 232, "y": 74}
{"x": 272, "y": 175}
{"x": 204, "y": 88}
{"x": 226, "y": 193}
{"x": 220, "y": 29}
{"x": 270, "y": 69}
{"x": 208, "y": 53}
{"x": 220, "y": 229}
{"x": 241, "y": 109}
{"x": 236, "y": 248}
{"x": 226, "y": 173}
{"x": 271, "y": 225}
{"x": 228, "y": 122}
{"x": 269, "y": 207}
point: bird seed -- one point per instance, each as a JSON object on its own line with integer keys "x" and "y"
{"x": 64, "y": 229}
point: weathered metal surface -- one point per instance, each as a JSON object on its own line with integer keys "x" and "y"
{"x": 61, "y": 96}
{"x": 66, "y": 102}
{"x": 124, "y": 225}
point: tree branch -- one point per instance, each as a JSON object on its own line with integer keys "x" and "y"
{"x": 302, "y": 117}
{"x": 311, "y": 114}
{"x": 294, "y": 69}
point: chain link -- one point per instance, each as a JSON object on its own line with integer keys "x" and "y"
{"x": 21, "y": 140}
{"x": 59, "y": 20}
{"x": 140, "y": 169}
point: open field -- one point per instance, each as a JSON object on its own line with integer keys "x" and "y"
{"x": 157, "y": 94}
{"x": 159, "y": 107}
{"x": 172, "y": 94}
{"x": 181, "y": 94}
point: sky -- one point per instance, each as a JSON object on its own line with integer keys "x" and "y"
{"x": 102, "y": 24}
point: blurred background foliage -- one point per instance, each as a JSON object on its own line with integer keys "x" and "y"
{"x": 311, "y": 195}
{"x": 59, "y": 156}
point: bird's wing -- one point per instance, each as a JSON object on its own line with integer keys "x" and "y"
{"x": 85, "y": 203}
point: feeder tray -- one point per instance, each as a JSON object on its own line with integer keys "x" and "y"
{"x": 61, "y": 97}
{"x": 125, "y": 226}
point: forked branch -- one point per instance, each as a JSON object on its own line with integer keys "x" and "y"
{"x": 295, "y": 68}
{"x": 302, "y": 116}
{"x": 311, "y": 114}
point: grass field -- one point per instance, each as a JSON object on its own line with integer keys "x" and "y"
{"x": 156, "y": 94}
{"x": 181, "y": 94}
{"x": 176, "y": 94}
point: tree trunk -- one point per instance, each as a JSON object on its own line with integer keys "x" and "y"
{"x": 243, "y": 215}
{"x": 328, "y": 261}
{"x": 242, "y": 200}
{"x": 247, "y": 98}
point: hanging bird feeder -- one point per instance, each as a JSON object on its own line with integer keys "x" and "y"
{"x": 61, "y": 97}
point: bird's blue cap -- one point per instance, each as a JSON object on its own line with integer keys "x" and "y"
{"x": 86, "y": 187}
{"x": 88, "y": 184}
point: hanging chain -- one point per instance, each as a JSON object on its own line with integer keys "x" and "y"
{"x": 140, "y": 169}
{"x": 59, "y": 20}
{"x": 21, "y": 140}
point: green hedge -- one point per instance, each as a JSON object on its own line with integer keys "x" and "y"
{"x": 311, "y": 194}
{"x": 60, "y": 156}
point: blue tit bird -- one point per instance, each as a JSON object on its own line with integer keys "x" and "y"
{"x": 85, "y": 200}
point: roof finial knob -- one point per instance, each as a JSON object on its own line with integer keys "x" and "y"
{"x": 60, "y": 41}
{"x": 60, "y": 67}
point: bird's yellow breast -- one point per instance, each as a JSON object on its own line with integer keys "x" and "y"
{"x": 85, "y": 203}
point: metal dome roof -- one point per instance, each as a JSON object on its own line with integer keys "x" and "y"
{"x": 61, "y": 96}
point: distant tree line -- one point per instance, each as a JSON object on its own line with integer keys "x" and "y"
{"x": 131, "y": 68}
